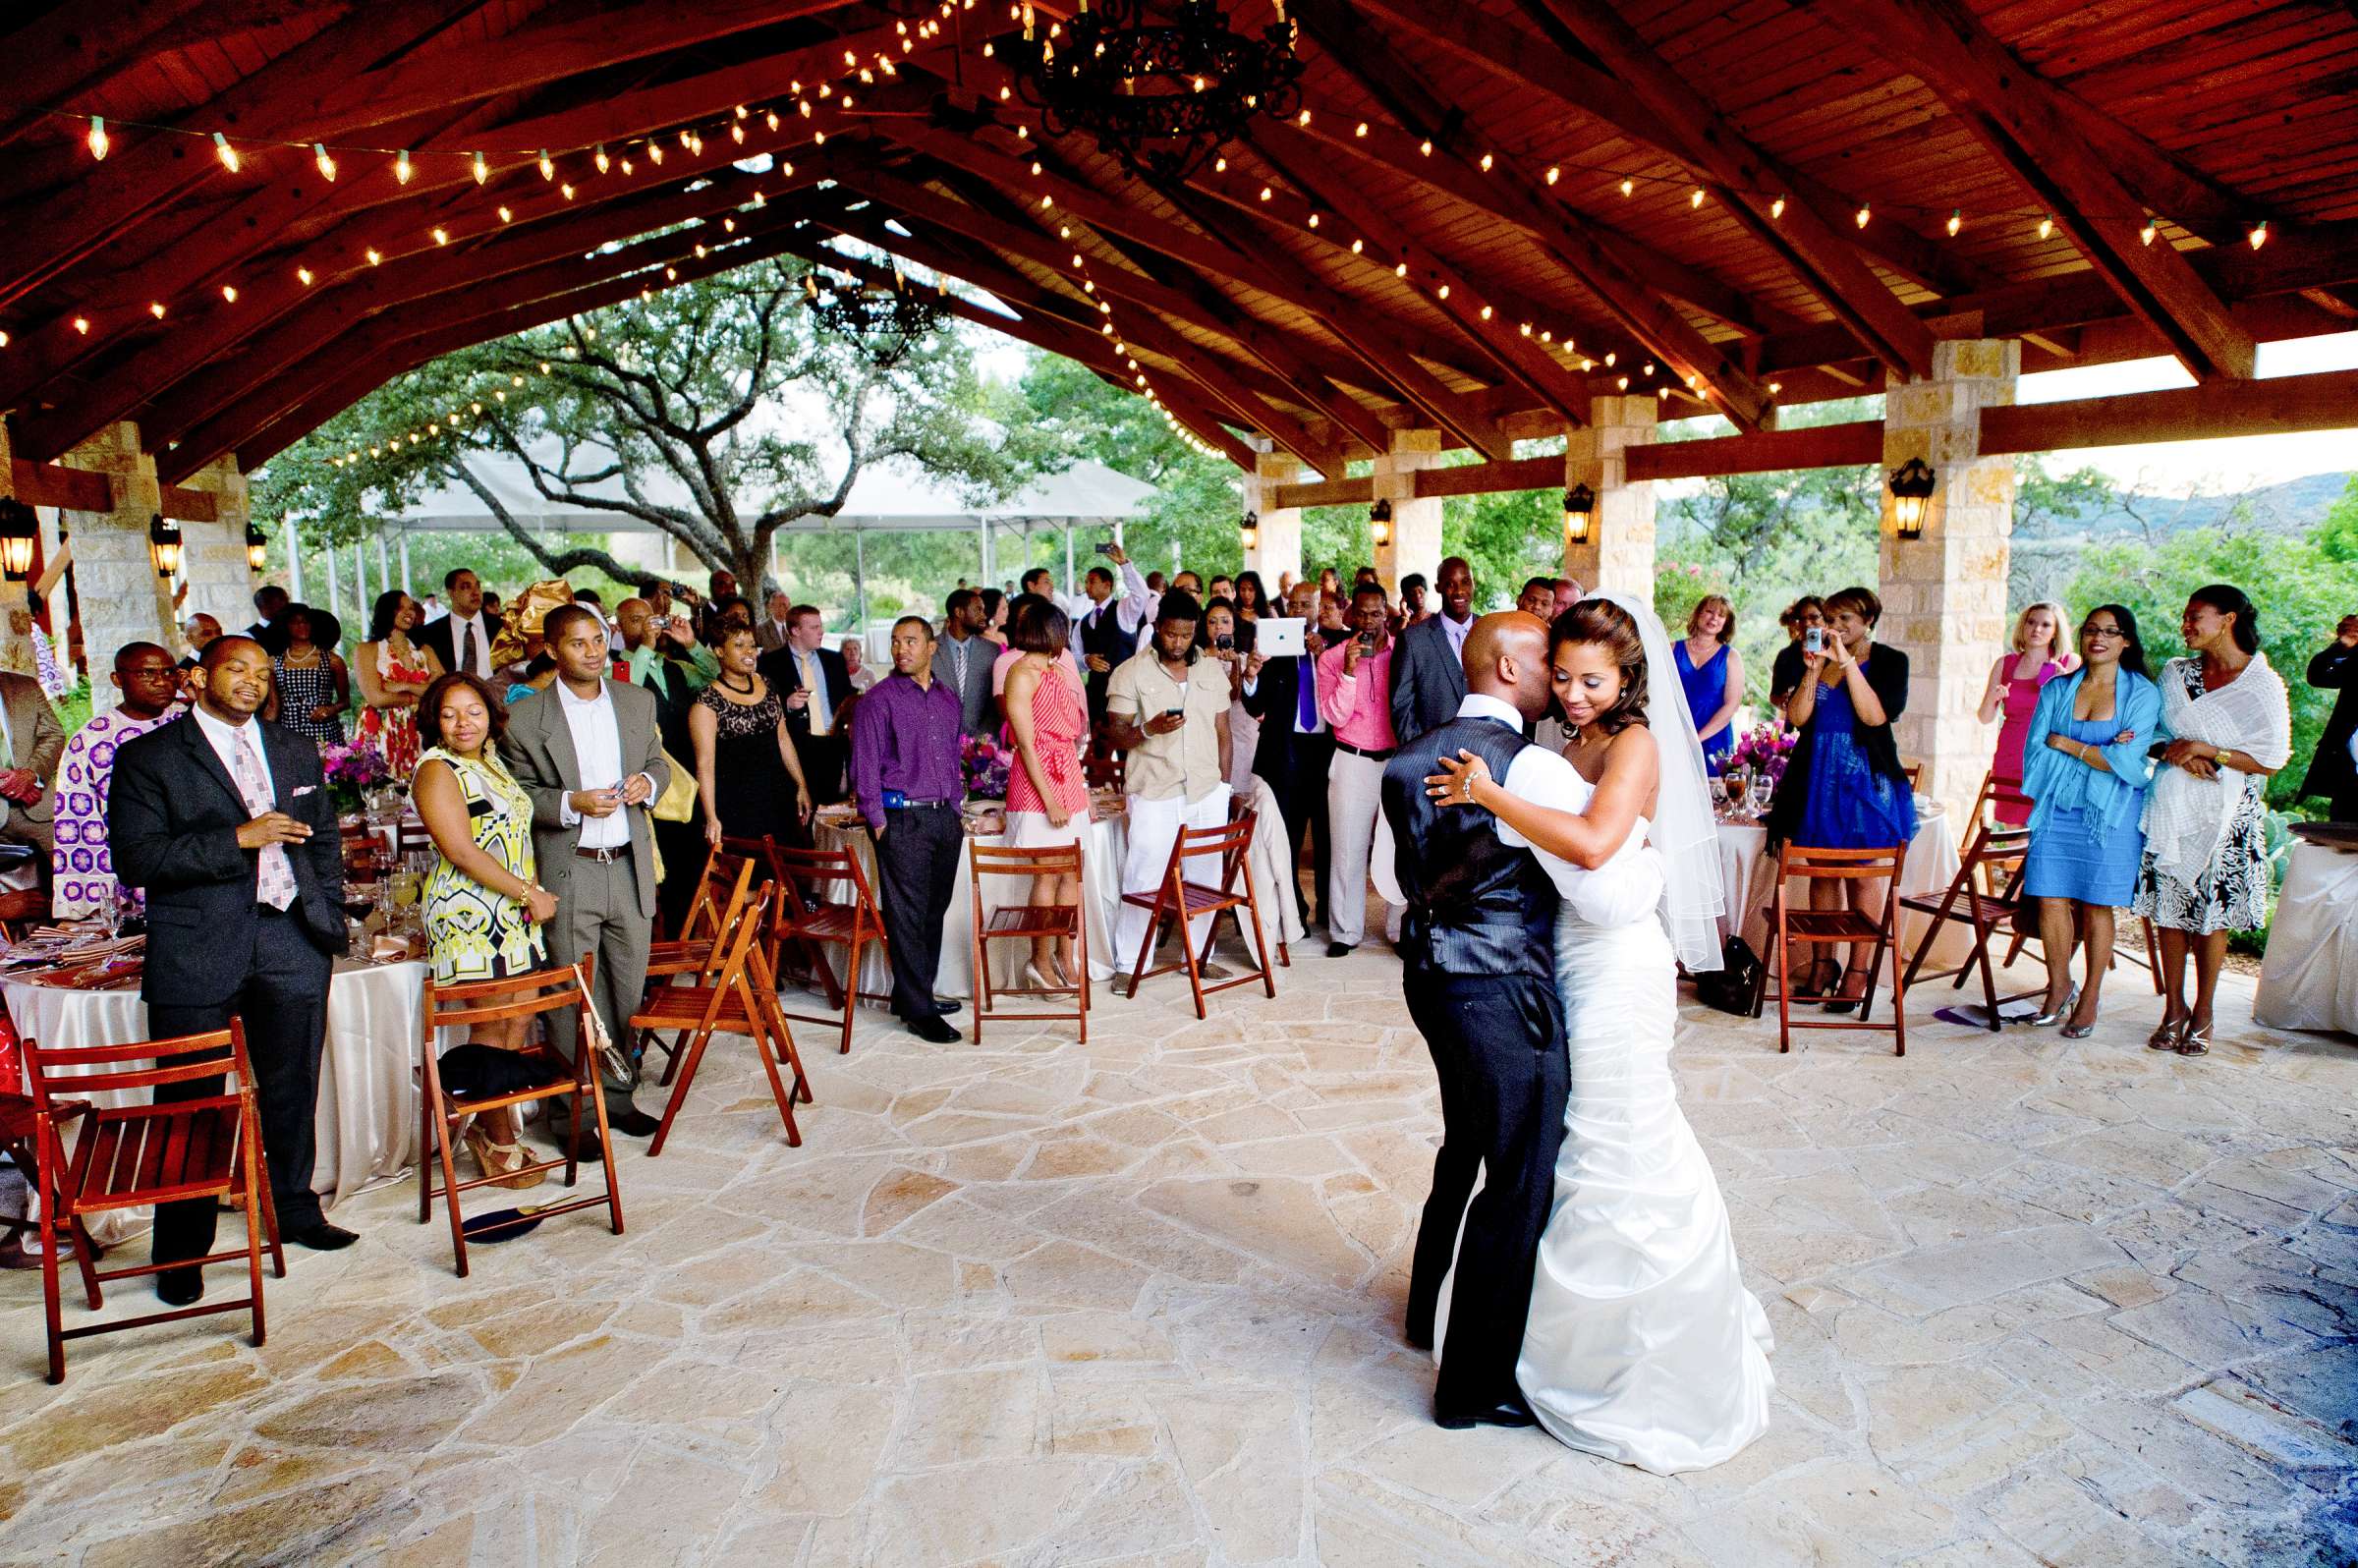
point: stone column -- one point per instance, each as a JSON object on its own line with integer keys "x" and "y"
{"x": 1619, "y": 552}
{"x": 1277, "y": 549}
{"x": 122, "y": 599}
{"x": 1416, "y": 540}
{"x": 1945, "y": 595}
{"x": 212, "y": 559}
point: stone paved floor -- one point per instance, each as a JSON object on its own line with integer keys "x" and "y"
{"x": 1135, "y": 1303}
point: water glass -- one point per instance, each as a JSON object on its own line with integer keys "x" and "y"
{"x": 1764, "y": 789}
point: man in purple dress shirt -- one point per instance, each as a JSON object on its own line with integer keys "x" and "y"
{"x": 906, "y": 777}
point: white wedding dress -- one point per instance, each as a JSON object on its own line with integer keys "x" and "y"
{"x": 1643, "y": 1344}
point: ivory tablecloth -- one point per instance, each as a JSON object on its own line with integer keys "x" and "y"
{"x": 2309, "y": 979}
{"x": 1747, "y": 872}
{"x": 367, "y": 1108}
{"x": 1102, "y": 849}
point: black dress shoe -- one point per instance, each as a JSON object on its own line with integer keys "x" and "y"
{"x": 180, "y": 1287}
{"x": 635, "y": 1123}
{"x": 593, "y": 1151}
{"x": 1506, "y": 1413}
{"x": 1339, "y": 950}
{"x": 931, "y": 1029}
{"x": 323, "y": 1237}
{"x": 946, "y": 1009}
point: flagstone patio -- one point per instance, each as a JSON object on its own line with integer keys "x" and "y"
{"x": 1136, "y": 1302}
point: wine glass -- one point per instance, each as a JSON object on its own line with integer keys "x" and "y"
{"x": 1764, "y": 789}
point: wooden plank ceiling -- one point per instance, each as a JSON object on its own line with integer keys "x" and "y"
{"x": 1489, "y": 213}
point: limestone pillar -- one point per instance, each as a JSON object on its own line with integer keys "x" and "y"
{"x": 1276, "y": 548}
{"x": 213, "y": 555}
{"x": 122, "y": 599}
{"x": 1415, "y": 544}
{"x": 1619, "y": 552}
{"x": 1945, "y": 595}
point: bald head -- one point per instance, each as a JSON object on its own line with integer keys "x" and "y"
{"x": 217, "y": 652}
{"x": 1506, "y": 657}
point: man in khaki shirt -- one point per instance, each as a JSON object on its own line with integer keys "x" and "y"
{"x": 1169, "y": 710}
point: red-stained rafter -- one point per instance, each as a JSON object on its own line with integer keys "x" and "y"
{"x": 152, "y": 168}
{"x": 56, "y": 57}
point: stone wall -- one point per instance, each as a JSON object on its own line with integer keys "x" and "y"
{"x": 122, "y": 599}
{"x": 213, "y": 555}
{"x": 1416, "y": 538}
{"x": 1278, "y": 548}
{"x": 1945, "y": 595}
{"x": 1619, "y": 552}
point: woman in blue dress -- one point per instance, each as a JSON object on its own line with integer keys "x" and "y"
{"x": 1713, "y": 676}
{"x": 2084, "y": 769}
{"x": 1844, "y": 787}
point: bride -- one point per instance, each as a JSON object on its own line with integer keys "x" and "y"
{"x": 1643, "y": 1344}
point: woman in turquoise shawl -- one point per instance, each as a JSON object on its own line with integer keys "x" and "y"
{"x": 2084, "y": 769}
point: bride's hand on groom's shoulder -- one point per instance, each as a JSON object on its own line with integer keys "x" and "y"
{"x": 1455, "y": 783}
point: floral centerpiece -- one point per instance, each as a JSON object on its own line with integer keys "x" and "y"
{"x": 1762, "y": 752}
{"x": 986, "y": 765}
{"x": 353, "y": 767}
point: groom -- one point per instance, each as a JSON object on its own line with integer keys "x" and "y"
{"x": 1479, "y": 945}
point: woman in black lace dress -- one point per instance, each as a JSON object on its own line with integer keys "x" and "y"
{"x": 747, "y": 774}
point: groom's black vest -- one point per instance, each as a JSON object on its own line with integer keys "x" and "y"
{"x": 1475, "y": 905}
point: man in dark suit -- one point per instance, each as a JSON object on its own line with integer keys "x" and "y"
{"x": 2332, "y": 773}
{"x": 816, "y": 685}
{"x": 269, "y": 626}
{"x": 1428, "y": 671}
{"x": 962, "y": 660}
{"x": 1296, "y": 750}
{"x": 462, "y": 638}
{"x": 225, "y": 822}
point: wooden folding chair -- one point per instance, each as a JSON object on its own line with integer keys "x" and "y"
{"x": 721, "y": 896}
{"x": 1026, "y": 922}
{"x": 1985, "y": 894}
{"x": 740, "y": 998}
{"x": 807, "y": 919}
{"x": 1175, "y": 899}
{"x": 461, "y": 1004}
{"x": 1994, "y": 792}
{"x": 208, "y": 1148}
{"x": 1790, "y": 928}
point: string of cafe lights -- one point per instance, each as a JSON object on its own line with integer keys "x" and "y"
{"x": 567, "y": 170}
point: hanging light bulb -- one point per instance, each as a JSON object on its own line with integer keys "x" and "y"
{"x": 568, "y": 189}
{"x": 81, "y": 324}
{"x": 604, "y": 163}
{"x": 441, "y": 235}
{"x": 549, "y": 165}
{"x": 654, "y": 152}
{"x": 2151, "y": 228}
{"x": 326, "y": 164}
{"x": 225, "y": 152}
{"x": 1695, "y": 198}
{"x": 1776, "y": 208}
{"x": 2259, "y": 234}
{"x": 2046, "y": 224}
{"x": 374, "y": 256}
{"x": 402, "y": 167}
{"x": 229, "y": 291}
{"x": 155, "y": 307}
{"x": 481, "y": 170}
{"x": 506, "y": 216}
{"x": 1554, "y": 174}
{"x": 303, "y": 275}
{"x": 1861, "y": 216}
{"x": 1629, "y": 186}
{"x": 1957, "y": 221}
{"x": 97, "y": 138}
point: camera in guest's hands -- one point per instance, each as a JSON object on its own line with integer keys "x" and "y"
{"x": 1812, "y": 640}
{"x": 1224, "y": 642}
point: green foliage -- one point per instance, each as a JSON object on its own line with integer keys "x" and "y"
{"x": 720, "y": 394}
{"x": 2338, "y": 536}
{"x": 2301, "y": 590}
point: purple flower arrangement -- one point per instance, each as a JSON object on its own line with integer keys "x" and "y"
{"x": 353, "y": 768}
{"x": 1764, "y": 752}
{"x": 987, "y": 765}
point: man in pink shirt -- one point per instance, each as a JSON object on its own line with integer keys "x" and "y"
{"x": 1354, "y": 698}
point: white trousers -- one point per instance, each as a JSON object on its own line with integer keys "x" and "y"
{"x": 1354, "y": 824}
{"x": 1153, "y": 828}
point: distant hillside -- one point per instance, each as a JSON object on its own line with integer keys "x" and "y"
{"x": 2292, "y": 506}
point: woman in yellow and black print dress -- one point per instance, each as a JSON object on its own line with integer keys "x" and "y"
{"x": 483, "y": 908}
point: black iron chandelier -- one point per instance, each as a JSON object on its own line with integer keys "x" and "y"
{"x": 1160, "y": 97}
{"x": 883, "y": 321}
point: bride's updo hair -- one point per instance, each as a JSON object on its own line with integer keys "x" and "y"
{"x": 1604, "y": 624}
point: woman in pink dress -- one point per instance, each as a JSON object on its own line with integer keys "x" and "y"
{"x": 1047, "y": 797}
{"x": 2039, "y": 656}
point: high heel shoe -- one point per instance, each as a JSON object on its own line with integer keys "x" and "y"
{"x": 2080, "y": 1031}
{"x": 2071, "y": 999}
{"x": 1841, "y": 1001}
{"x": 2165, "y": 1038}
{"x": 500, "y": 1162}
{"x": 2195, "y": 1042}
{"x": 1034, "y": 980}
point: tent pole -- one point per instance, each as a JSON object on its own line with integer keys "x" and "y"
{"x": 1069, "y": 590}
{"x": 359, "y": 577}
{"x": 335, "y": 605}
{"x": 405, "y": 564}
{"x": 982, "y": 531}
{"x": 294, "y": 545}
{"x": 859, "y": 584}
{"x": 385, "y": 569}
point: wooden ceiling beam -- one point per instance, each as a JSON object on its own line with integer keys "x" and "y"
{"x": 1523, "y": 57}
{"x": 1642, "y": 310}
{"x": 168, "y": 379}
{"x": 2015, "y": 114}
{"x": 1807, "y": 237}
{"x": 98, "y": 201}
{"x": 74, "y": 48}
{"x": 317, "y": 387}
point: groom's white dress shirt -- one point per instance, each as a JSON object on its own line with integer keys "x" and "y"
{"x": 1617, "y": 894}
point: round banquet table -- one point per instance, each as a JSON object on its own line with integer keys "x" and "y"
{"x": 2309, "y": 977}
{"x": 367, "y": 1108}
{"x": 1747, "y": 870}
{"x": 1103, "y": 846}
